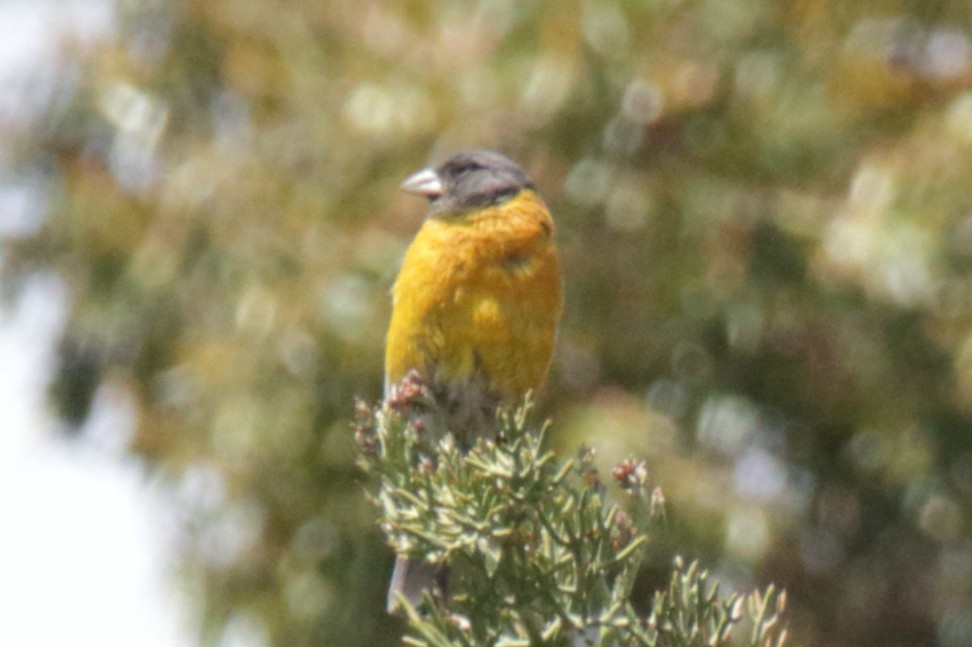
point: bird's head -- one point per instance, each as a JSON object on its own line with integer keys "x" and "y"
{"x": 469, "y": 180}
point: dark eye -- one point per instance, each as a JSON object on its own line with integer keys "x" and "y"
{"x": 466, "y": 167}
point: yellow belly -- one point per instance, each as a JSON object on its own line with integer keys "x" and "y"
{"x": 477, "y": 300}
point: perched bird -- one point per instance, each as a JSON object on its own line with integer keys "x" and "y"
{"x": 476, "y": 303}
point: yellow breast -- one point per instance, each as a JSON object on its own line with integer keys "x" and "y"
{"x": 477, "y": 300}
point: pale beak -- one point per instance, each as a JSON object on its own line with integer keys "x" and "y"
{"x": 425, "y": 182}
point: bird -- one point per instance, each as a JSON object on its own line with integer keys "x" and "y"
{"x": 475, "y": 306}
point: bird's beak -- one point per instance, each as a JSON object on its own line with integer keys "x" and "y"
{"x": 426, "y": 182}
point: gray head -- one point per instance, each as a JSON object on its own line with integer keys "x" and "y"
{"x": 467, "y": 180}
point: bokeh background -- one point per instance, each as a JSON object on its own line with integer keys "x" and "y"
{"x": 765, "y": 216}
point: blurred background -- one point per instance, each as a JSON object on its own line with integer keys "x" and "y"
{"x": 765, "y": 217}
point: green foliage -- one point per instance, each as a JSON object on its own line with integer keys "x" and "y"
{"x": 536, "y": 553}
{"x": 690, "y": 613}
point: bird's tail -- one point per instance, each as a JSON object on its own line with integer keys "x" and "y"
{"x": 411, "y": 579}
